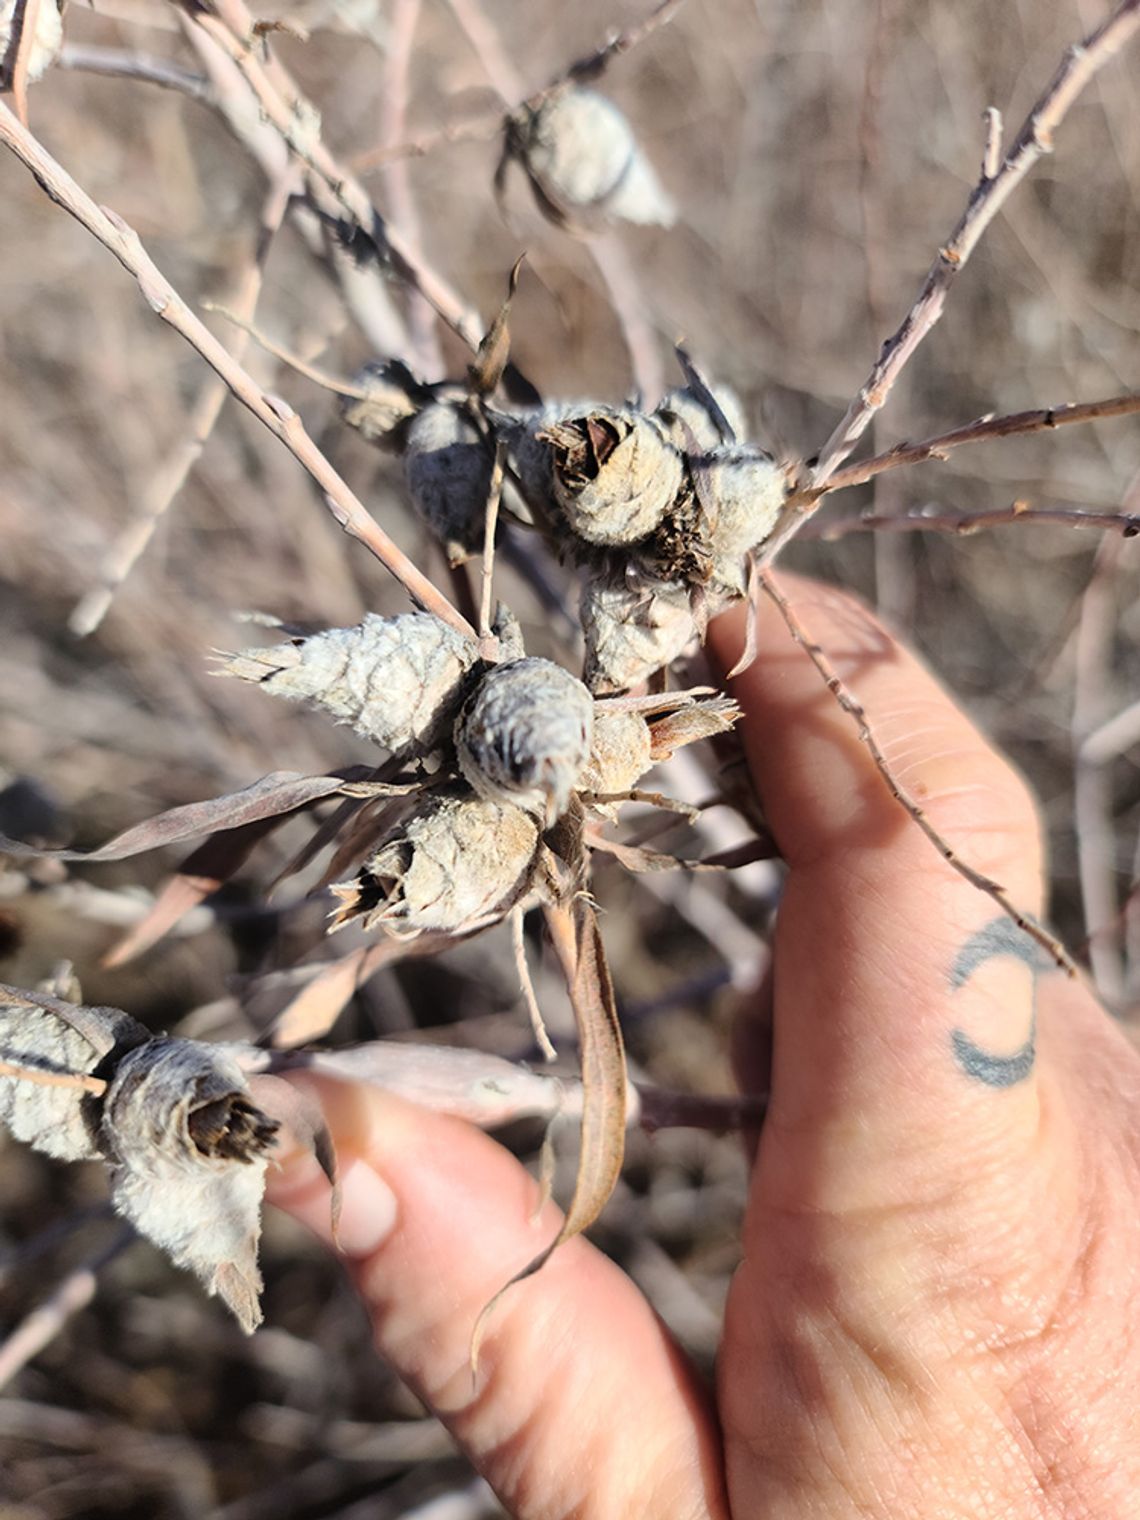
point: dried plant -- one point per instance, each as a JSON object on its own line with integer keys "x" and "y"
{"x": 499, "y": 774}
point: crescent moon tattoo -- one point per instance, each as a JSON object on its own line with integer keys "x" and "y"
{"x": 1001, "y": 937}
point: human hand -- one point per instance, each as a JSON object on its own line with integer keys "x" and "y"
{"x": 936, "y": 1315}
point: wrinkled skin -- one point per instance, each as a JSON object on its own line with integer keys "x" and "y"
{"x": 937, "y": 1311}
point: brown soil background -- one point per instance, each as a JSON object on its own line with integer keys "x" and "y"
{"x": 818, "y": 153}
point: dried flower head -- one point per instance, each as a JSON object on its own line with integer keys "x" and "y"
{"x": 621, "y": 752}
{"x": 45, "y": 47}
{"x": 633, "y": 626}
{"x": 742, "y": 490}
{"x": 395, "y": 680}
{"x": 393, "y": 397}
{"x": 615, "y": 474}
{"x": 583, "y": 162}
{"x": 448, "y": 469}
{"x": 189, "y": 1150}
{"x": 457, "y": 865}
{"x": 524, "y": 736}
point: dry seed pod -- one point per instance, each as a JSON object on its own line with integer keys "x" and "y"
{"x": 456, "y": 866}
{"x": 45, "y": 48}
{"x": 690, "y": 424}
{"x": 632, "y": 629}
{"x": 394, "y": 680}
{"x": 524, "y": 736}
{"x": 743, "y": 490}
{"x": 615, "y": 474}
{"x": 189, "y": 1150}
{"x": 393, "y": 398}
{"x": 583, "y": 162}
{"x": 621, "y": 752}
{"x": 57, "y": 1120}
{"x": 448, "y": 469}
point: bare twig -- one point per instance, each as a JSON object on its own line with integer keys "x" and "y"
{"x": 516, "y": 919}
{"x": 277, "y": 416}
{"x": 172, "y": 474}
{"x": 121, "y": 63}
{"x": 851, "y": 706}
{"x": 1035, "y": 139}
{"x": 491, "y": 518}
{"x": 982, "y": 430}
{"x": 1127, "y": 524}
{"x": 42, "y": 1078}
{"x": 1113, "y": 737}
{"x": 311, "y": 372}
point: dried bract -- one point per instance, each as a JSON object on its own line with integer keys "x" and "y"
{"x": 45, "y": 47}
{"x": 633, "y": 627}
{"x": 584, "y": 164}
{"x": 448, "y": 469}
{"x": 395, "y": 680}
{"x": 524, "y": 736}
{"x": 458, "y": 865}
{"x": 393, "y": 397}
{"x": 189, "y": 1151}
{"x": 615, "y": 474}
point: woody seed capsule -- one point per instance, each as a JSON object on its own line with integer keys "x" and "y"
{"x": 458, "y": 865}
{"x": 632, "y": 629}
{"x": 448, "y": 469}
{"x": 615, "y": 474}
{"x": 524, "y": 736}
{"x": 395, "y": 680}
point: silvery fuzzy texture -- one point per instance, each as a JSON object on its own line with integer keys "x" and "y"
{"x": 744, "y": 490}
{"x": 188, "y": 1152}
{"x": 448, "y": 470}
{"x": 48, "y": 40}
{"x": 621, "y": 753}
{"x": 632, "y": 629}
{"x": 53, "y": 1119}
{"x": 524, "y": 735}
{"x": 581, "y": 155}
{"x": 615, "y": 474}
{"x": 688, "y": 421}
{"x": 383, "y": 415}
{"x": 395, "y": 680}
{"x": 458, "y": 865}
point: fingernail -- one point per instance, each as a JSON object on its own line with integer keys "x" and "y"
{"x": 367, "y": 1211}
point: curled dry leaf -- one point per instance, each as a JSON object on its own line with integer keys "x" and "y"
{"x": 395, "y": 680}
{"x": 448, "y": 468}
{"x": 392, "y": 397}
{"x": 458, "y": 865}
{"x": 524, "y": 736}
{"x": 632, "y": 627}
{"x": 45, "y": 45}
{"x": 583, "y": 162}
{"x": 615, "y": 474}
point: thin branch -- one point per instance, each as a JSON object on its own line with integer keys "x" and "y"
{"x": 516, "y": 919}
{"x": 1032, "y": 142}
{"x": 174, "y": 471}
{"x": 121, "y": 63}
{"x": 851, "y": 706}
{"x": 491, "y": 518}
{"x": 281, "y": 420}
{"x": 981, "y": 430}
{"x": 1127, "y": 524}
{"x": 228, "y": 24}
{"x": 77, "y": 1079}
{"x": 311, "y": 372}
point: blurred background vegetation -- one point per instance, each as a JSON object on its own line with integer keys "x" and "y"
{"x": 818, "y": 152}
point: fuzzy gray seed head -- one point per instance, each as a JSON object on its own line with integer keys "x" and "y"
{"x": 448, "y": 470}
{"x": 395, "y": 680}
{"x": 524, "y": 736}
{"x": 743, "y": 490}
{"x": 584, "y": 163}
{"x": 615, "y": 474}
{"x": 621, "y": 753}
{"x": 456, "y": 866}
{"x": 632, "y": 629}
{"x": 688, "y": 421}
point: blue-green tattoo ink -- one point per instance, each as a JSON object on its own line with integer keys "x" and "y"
{"x": 1001, "y": 937}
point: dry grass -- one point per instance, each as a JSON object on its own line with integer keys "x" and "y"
{"x": 818, "y": 153}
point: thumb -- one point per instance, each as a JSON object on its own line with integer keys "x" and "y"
{"x": 904, "y": 1001}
